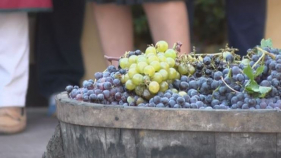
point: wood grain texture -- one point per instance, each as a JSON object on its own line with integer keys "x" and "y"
{"x": 55, "y": 145}
{"x": 97, "y": 115}
{"x": 246, "y": 145}
{"x": 92, "y": 142}
{"x": 278, "y": 147}
{"x": 97, "y": 142}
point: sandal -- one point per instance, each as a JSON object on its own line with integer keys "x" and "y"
{"x": 12, "y": 120}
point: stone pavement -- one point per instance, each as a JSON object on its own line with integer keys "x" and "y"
{"x": 32, "y": 142}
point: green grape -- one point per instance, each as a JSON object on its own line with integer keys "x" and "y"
{"x": 139, "y": 100}
{"x": 154, "y": 87}
{"x": 146, "y": 79}
{"x": 171, "y": 62}
{"x": 156, "y": 65}
{"x": 137, "y": 79}
{"x": 152, "y": 58}
{"x": 130, "y": 99}
{"x": 164, "y": 74}
{"x": 124, "y": 78}
{"x": 149, "y": 70}
{"x": 160, "y": 54}
{"x": 161, "y": 46}
{"x": 133, "y": 59}
{"x": 139, "y": 90}
{"x": 132, "y": 72}
{"x": 182, "y": 93}
{"x": 146, "y": 94}
{"x": 178, "y": 76}
{"x": 141, "y": 58}
{"x": 171, "y": 53}
{"x": 162, "y": 58}
{"x": 134, "y": 65}
{"x": 130, "y": 85}
{"x": 149, "y": 55}
{"x": 141, "y": 66}
{"x": 182, "y": 68}
{"x": 169, "y": 81}
{"x": 174, "y": 90}
{"x": 164, "y": 86}
{"x": 172, "y": 73}
{"x": 164, "y": 65}
{"x": 190, "y": 69}
{"x": 245, "y": 62}
{"x": 157, "y": 77}
{"x": 150, "y": 50}
{"x": 124, "y": 63}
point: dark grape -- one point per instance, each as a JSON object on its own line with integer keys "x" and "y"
{"x": 180, "y": 100}
{"x": 69, "y": 88}
{"x": 107, "y": 85}
{"x": 229, "y": 58}
{"x": 93, "y": 97}
{"x": 98, "y": 75}
{"x": 100, "y": 97}
{"x": 106, "y": 93}
{"x": 207, "y": 60}
{"x": 183, "y": 86}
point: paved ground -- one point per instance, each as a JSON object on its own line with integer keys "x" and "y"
{"x": 32, "y": 142}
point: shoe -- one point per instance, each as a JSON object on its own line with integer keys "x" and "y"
{"x": 52, "y": 109}
{"x": 12, "y": 120}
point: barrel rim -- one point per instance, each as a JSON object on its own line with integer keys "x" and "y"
{"x": 70, "y": 111}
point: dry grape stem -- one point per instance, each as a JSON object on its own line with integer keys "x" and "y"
{"x": 109, "y": 58}
{"x": 263, "y": 54}
{"x": 228, "y": 85}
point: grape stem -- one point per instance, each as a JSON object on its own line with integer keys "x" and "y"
{"x": 262, "y": 57}
{"x": 207, "y": 54}
{"x": 228, "y": 85}
{"x": 109, "y": 58}
{"x": 263, "y": 54}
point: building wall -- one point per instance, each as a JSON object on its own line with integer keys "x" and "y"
{"x": 273, "y": 25}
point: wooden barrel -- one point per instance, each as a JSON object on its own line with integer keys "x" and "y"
{"x": 103, "y": 131}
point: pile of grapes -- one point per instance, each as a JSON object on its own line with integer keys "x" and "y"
{"x": 164, "y": 78}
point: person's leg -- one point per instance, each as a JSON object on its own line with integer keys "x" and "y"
{"x": 246, "y": 23}
{"x": 14, "y": 50}
{"x": 169, "y": 21}
{"x": 59, "y": 56}
{"x": 190, "y": 10}
{"x": 115, "y": 28}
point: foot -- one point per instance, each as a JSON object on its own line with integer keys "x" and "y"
{"x": 12, "y": 120}
{"x": 52, "y": 105}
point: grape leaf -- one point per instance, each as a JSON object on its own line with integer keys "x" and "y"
{"x": 259, "y": 71}
{"x": 264, "y": 90}
{"x": 249, "y": 72}
{"x": 266, "y": 43}
{"x": 252, "y": 87}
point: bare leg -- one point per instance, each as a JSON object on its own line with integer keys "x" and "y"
{"x": 169, "y": 21}
{"x": 114, "y": 24}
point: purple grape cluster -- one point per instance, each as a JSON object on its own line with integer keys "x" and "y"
{"x": 106, "y": 90}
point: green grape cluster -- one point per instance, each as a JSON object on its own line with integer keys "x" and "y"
{"x": 150, "y": 72}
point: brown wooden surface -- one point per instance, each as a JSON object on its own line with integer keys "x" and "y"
{"x": 89, "y": 114}
{"x": 96, "y": 142}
